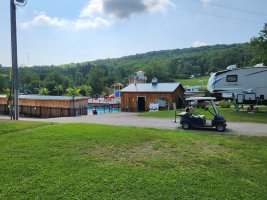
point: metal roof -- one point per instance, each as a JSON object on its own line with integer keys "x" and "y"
{"x": 46, "y": 97}
{"x": 149, "y": 87}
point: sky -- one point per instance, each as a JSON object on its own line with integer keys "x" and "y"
{"x": 54, "y": 32}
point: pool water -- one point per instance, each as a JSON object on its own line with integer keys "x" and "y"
{"x": 103, "y": 110}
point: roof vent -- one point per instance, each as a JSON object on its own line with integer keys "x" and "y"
{"x": 154, "y": 81}
{"x": 231, "y": 67}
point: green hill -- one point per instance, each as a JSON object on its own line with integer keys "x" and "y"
{"x": 166, "y": 65}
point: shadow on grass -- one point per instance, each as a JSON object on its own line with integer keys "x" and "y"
{"x": 209, "y": 130}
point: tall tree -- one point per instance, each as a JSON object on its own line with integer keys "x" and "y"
{"x": 78, "y": 78}
{"x": 3, "y": 82}
{"x": 59, "y": 89}
{"x": 86, "y": 90}
{"x": 96, "y": 80}
{"x": 73, "y": 92}
{"x": 260, "y": 42}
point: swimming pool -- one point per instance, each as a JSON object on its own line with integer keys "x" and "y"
{"x": 103, "y": 110}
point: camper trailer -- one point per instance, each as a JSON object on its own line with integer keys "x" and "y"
{"x": 247, "y": 85}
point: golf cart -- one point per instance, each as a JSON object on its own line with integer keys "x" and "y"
{"x": 191, "y": 118}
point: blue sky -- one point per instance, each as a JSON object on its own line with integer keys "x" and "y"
{"x": 59, "y": 32}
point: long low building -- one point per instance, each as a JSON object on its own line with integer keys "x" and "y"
{"x": 47, "y": 106}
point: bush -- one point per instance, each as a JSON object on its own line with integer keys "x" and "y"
{"x": 225, "y": 104}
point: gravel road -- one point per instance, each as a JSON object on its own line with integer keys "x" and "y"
{"x": 132, "y": 119}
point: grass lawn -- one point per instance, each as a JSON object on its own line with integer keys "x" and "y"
{"x": 228, "y": 113}
{"x": 85, "y": 161}
{"x": 15, "y": 127}
{"x": 198, "y": 81}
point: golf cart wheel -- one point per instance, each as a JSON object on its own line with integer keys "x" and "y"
{"x": 220, "y": 127}
{"x": 185, "y": 125}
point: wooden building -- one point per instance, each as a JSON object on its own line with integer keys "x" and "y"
{"x": 47, "y": 106}
{"x": 138, "y": 97}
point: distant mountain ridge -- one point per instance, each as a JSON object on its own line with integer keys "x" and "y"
{"x": 183, "y": 62}
{"x": 175, "y": 52}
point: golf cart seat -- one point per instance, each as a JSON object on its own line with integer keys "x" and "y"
{"x": 182, "y": 113}
{"x": 202, "y": 116}
{"x": 191, "y": 111}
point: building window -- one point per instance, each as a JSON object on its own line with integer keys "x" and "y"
{"x": 162, "y": 102}
{"x": 231, "y": 78}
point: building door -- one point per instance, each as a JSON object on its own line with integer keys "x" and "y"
{"x": 141, "y": 103}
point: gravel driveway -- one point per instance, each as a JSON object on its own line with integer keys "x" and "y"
{"x": 131, "y": 119}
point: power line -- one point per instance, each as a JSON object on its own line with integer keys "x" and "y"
{"x": 224, "y": 17}
{"x": 233, "y": 8}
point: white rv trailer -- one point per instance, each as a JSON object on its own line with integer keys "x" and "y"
{"x": 247, "y": 85}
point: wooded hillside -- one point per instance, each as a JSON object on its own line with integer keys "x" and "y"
{"x": 167, "y": 65}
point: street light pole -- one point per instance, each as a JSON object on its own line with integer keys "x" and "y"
{"x": 14, "y": 59}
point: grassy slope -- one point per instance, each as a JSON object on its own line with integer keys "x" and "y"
{"x": 83, "y": 161}
{"x": 198, "y": 81}
{"x": 228, "y": 114}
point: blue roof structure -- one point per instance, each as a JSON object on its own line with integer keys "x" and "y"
{"x": 46, "y": 97}
{"x": 149, "y": 87}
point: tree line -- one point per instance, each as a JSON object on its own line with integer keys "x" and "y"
{"x": 97, "y": 77}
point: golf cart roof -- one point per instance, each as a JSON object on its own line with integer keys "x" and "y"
{"x": 200, "y": 98}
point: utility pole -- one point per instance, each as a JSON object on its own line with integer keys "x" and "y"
{"x": 15, "y": 84}
{"x": 14, "y": 59}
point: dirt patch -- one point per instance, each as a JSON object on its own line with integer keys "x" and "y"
{"x": 132, "y": 155}
{"x": 157, "y": 153}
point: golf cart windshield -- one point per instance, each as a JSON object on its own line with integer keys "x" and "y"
{"x": 204, "y": 103}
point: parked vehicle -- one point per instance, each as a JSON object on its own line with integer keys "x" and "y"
{"x": 247, "y": 85}
{"x": 192, "y": 119}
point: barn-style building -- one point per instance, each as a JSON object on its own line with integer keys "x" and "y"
{"x": 47, "y": 106}
{"x": 137, "y": 97}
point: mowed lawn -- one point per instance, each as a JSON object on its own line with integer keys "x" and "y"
{"x": 86, "y": 161}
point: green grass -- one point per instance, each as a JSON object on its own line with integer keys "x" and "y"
{"x": 84, "y": 161}
{"x": 198, "y": 81}
{"x": 228, "y": 113}
{"x": 14, "y": 126}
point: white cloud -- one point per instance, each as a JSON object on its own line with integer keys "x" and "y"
{"x": 205, "y": 1}
{"x": 43, "y": 19}
{"x": 94, "y": 7}
{"x": 199, "y": 44}
{"x": 159, "y": 5}
{"x": 101, "y": 13}
{"x": 90, "y": 23}
{"x": 78, "y": 24}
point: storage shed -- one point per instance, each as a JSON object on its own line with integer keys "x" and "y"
{"x": 138, "y": 97}
{"x": 47, "y": 106}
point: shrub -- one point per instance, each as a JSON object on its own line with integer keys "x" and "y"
{"x": 225, "y": 104}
